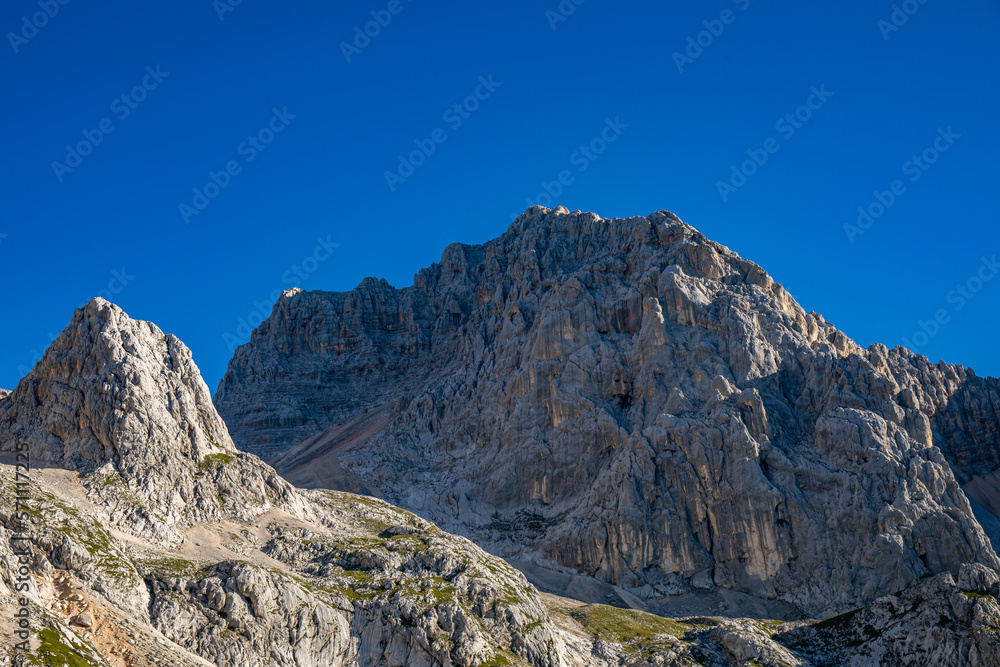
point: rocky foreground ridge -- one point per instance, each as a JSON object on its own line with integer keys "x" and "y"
{"x": 245, "y": 570}
{"x": 628, "y": 400}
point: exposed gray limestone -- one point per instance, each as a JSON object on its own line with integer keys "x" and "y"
{"x": 123, "y": 404}
{"x": 634, "y": 402}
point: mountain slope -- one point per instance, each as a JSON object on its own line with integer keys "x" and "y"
{"x": 628, "y": 400}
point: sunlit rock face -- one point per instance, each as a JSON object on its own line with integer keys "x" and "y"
{"x": 124, "y": 405}
{"x": 629, "y": 400}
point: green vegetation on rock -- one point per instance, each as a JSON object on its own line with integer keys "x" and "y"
{"x": 214, "y": 460}
{"x": 57, "y": 650}
{"x": 636, "y": 631}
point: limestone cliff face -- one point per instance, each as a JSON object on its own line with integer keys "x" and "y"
{"x": 630, "y": 400}
{"x": 352, "y": 350}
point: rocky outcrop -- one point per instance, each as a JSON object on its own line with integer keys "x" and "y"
{"x": 936, "y": 622}
{"x": 939, "y": 621}
{"x": 369, "y": 585}
{"x": 629, "y": 400}
{"x": 386, "y": 344}
{"x": 123, "y": 404}
{"x": 375, "y": 586}
{"x": 110, "y": 387}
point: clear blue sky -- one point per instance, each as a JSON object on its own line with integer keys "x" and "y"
{"x": 324, "y": 174}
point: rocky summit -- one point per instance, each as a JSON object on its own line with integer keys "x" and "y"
{"x": 628, "y": 401}
{"x": 587, "y": 443}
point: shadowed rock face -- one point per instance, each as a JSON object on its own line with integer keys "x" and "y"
{"x": 632, "y": 401}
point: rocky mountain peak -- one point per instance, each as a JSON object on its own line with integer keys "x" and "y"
{"x": 148, "y": 534}
{"x": 629, "y": 400}
{"x": 124, "y": 405}
{"x": 629, "y": 412}
{"x": 114, "y": 389}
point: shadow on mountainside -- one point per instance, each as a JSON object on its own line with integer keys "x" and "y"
{"x": 965, "y": 428}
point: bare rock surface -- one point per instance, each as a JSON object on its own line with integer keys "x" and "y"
{"x": 124, "y": 404}
{"x": 368, "y": 585}
{"x": 376, "y": 586}
{"x": 627, "y": 400}
{"x": 935, "y": 622}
